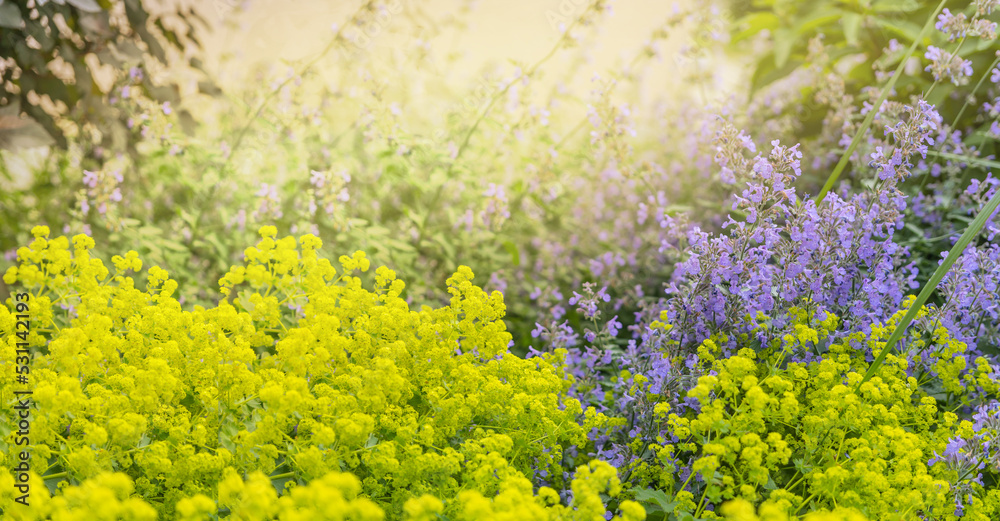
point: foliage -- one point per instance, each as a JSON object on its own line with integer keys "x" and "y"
{"x": 46, "y": 46}
{"x": 858, "y": 34}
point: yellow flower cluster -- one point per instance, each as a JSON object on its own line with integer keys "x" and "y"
{"x": 104, "y": 496}
{"x": 805, "y": 436}
{"x": 334, "y": 497}
{"x": 742, "y": 510}
{"x": 356, "y": 399}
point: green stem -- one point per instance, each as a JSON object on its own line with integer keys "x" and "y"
{"x": 805, "y": 502}
{"x": 967, "y": 159}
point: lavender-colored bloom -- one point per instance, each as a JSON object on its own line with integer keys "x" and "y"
{"x": 317, "y": 179}
{"x": 90, "y": 178}
{"x": 985, "y": 7}
{"x": 966, "y": 456}
{"x": 614, "y": 326}
{"x": 954, "y": 25}
{"x": 946, "y": 65}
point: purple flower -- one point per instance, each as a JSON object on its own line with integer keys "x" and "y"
{"x": 539, "y": 329}
{"x": 954, "y": 25}
{"x": 614, "y": 325}
{"x": 946, "y": 65}
{"x": 90, "y": 178}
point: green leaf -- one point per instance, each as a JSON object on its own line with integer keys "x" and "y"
{"x": 45, "y": 40}
{"x": 674, "y": 210}
{"x": 916, "y": 230}
{"x": 87, "y": 6}
{"x": 10, "y": 16}
{"x": 896, "y": 6}
{"x": 515, "y": 255}
{"x": 969, "y": 160}
{"x": 209, "y": 88}
{"x": 188, "y": 123}
{"x": 908, "y": 30}
{"x": 851, "y": 23}
{"x": 766, "y": 73}
{"x": 808, "y": 24}
{"x": 244, "y": 300}
{"x": 18, "y": 132}
{"x": 655, "y": 497}
{"x": 398, "y": 245}
{"x": 173, "y": 246}
{"x": 48, "y": 123}
{"x": 449, "y": 249}
{"x": 53, "y": 484}
{"x": 755, "y": 23}
{"x": 187, "y": 217}
{"x": 129, "y": 50}
{"x": 784, "y": 39}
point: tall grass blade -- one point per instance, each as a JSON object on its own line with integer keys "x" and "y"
{"x": 966, "y": 159}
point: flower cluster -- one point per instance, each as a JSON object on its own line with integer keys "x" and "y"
{"x": 835, "y": 256}
{"x": 976, "y": 448}
{"x": 812, "y": 435}
{"x": 957, "y": 25}
{"x": 945, "y": 65}
{"x": 415, "y": 404}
